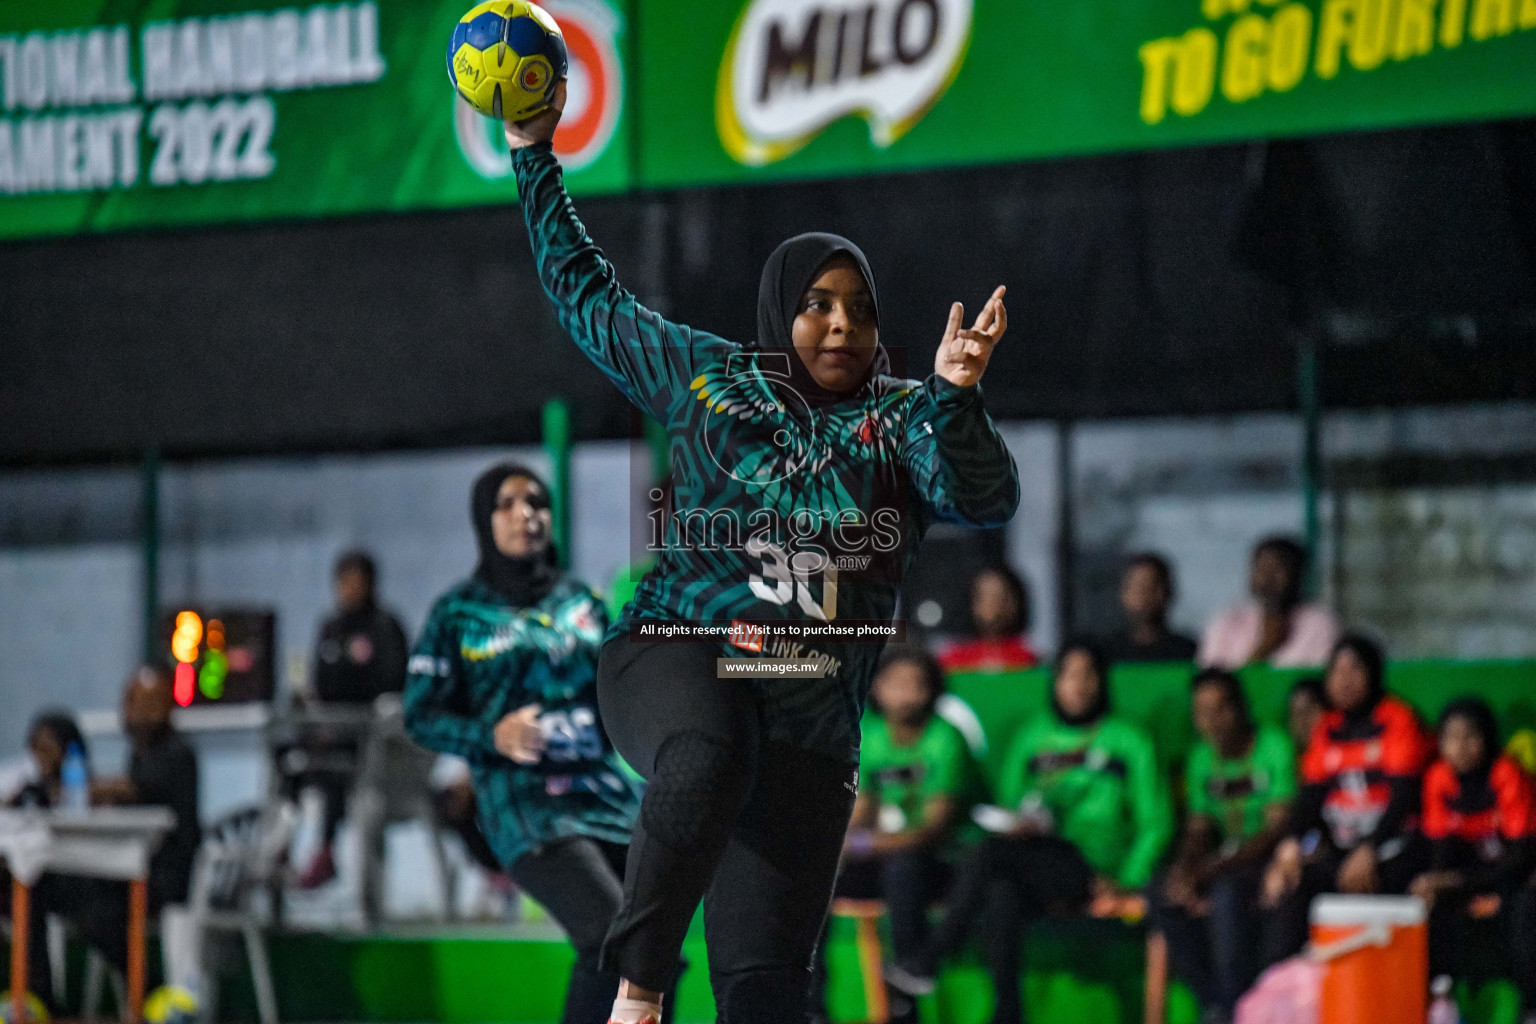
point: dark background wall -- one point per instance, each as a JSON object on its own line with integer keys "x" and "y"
{"x": 1166, "y": 282}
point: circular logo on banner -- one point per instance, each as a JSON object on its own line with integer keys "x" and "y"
{"x": 594, "y": 96}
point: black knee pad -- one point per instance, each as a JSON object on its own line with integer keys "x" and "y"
{"x": 774, "y": 996}
{"x": 697, "y": 790}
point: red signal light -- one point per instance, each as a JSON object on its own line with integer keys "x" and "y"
{"x": 186, "y": 678}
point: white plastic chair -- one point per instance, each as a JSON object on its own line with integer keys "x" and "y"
{"x": 393, "y": 785}
{"x": 240, "y": 856}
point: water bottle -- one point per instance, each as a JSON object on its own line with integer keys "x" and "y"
{"x": 1443, "y": 1010}
{"x": 76, "y": 784}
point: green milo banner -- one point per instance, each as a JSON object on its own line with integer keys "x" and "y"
{"x": 138, "y": 113}
{"x": 133, "y": 113}
{"x": 736, "y": 91}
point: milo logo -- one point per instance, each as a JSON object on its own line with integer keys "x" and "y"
{"x": 792, "y": 67}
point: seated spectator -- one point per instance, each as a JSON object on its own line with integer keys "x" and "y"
{"x": 360, "y": 654}
{"x": 1083, "y": 813}
{"x": 1240, "y": 780}
{"x": 1353, "y": 825}
{"x": 1305, "y": 705}
{"x": 1480, "y": 820}
{"x": 48, "y": 740}
{"x": 40, "y": 785}
{"x": 999, "y": 614}
{"x": 162, "y": 772}
{"x": 917, "y": 784}
{"x": 1146, "y": 594}
{"x": 1277, "y": 627}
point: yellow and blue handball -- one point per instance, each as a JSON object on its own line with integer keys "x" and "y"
{"x": 171, "y": 1004}
{"x": 505, "y": 57}
{"x": 35, "y": 1012}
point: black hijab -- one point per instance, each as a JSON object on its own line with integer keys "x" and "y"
{"x": 790, "y": 270}
{"x": 1480, "y": 716}
{"x": 522, "y": 581}
{"x": 1375, "y": 663}
{"x": 1100, "y": 706}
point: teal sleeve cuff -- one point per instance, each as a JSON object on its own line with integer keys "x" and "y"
{"x": 527, "y": 156}
{"x": 948, "y": 395}
{"x": 488, "y": 736}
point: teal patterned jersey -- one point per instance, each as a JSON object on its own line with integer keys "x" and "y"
{"x": 479, "y": 659}
{"x": 783, "y": 510}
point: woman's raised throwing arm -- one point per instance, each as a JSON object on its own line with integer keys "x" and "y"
{"x": 648, "y": 357}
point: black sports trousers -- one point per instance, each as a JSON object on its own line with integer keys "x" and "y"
{"x": 577, "y": 881}
{"x": 752, "y": 827}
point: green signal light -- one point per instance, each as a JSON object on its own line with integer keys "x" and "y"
{"x": 210, "y": 678}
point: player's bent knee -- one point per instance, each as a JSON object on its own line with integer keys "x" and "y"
{"x": 699, "y": 787}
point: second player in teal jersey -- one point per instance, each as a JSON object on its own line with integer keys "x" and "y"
{"x": 804, "y": 476}
{"x": 505, "y": 676}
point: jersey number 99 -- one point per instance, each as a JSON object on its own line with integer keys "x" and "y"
{"x": 571, "y": 735}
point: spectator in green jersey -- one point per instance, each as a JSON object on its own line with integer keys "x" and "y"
{"x": 1240, "y": 781}
{"x": 917, "y": 784}
{"x": 1083, "y": 812}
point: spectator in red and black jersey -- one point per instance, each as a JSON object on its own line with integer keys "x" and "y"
{"x": 1480, "y": 820}
{"x": 1353, "y": 826}
{"x": 999, "y": 615}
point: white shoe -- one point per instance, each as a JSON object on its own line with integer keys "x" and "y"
{"x": 906, "y": 982}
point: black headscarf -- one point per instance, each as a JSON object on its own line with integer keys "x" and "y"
{"x": 1375, "y": 663}
{"x": 1480, "y": 716}
{"x": 790, "y": 270}
{"x": 522, "y": 581}
{"x": 1100, "y": 707}
{"x": 65, "y": 731}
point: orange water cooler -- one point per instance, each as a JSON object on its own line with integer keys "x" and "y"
{"x": 1376, "y": 951}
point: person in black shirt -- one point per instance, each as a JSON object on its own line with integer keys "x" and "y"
{"x": 162, "y": 772}
{"x": 1146, "y": 594}
{"x": 362, "y": 649}
{"x": 360, "y": 655}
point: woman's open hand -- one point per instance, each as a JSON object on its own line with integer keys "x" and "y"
{"x": 963, "y": 354}
{"x": 519, "y": 737}
{"x": 541, "y": 126}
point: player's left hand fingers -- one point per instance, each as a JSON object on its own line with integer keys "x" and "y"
{"x": 988, "y": 314}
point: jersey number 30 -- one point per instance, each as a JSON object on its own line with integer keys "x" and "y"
{"x": 783, "y": 580}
